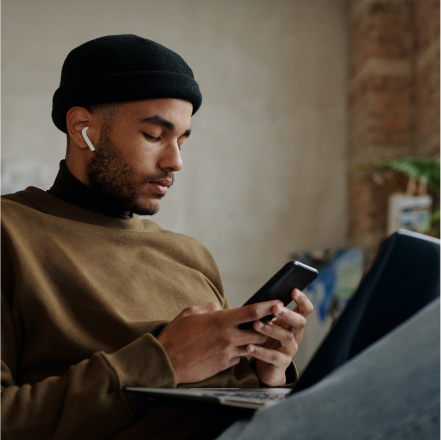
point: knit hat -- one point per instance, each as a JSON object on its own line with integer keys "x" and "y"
{"x": 119, "y": 68}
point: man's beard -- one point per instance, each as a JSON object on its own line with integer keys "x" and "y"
{"x": 111, "y": 175}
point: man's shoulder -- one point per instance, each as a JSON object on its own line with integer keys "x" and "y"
{"x": 152, "y": 227}
{"x": 180, "y": 244}
{"x": 17, "y": 212}
{"x": 17, "y": 197}
{"x": 17, "y": 200}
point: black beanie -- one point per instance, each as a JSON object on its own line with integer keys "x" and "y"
{"x": 119, "y": 68}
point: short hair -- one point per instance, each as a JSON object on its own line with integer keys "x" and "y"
{"x": 106, "y": 111}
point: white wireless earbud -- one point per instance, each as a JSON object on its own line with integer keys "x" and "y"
{"x": 86, "y": 138}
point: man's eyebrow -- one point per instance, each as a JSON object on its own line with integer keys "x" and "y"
{"x": 159, "y": 120}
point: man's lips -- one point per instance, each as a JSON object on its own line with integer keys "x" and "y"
{"x": 161, "y": 186}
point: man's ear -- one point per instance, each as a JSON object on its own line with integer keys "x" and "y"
{"x": 78, "y": 118}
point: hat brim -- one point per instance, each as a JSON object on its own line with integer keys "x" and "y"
{"x": 123, "y": 87}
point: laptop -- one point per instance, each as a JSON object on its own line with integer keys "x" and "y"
{"x": 407, "y": 266}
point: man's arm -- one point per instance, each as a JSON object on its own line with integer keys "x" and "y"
{"x": 87, "y": 401}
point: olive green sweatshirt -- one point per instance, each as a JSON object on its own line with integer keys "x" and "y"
{"x": 83, "y": 296}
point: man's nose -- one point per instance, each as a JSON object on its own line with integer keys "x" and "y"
{"x": 171, "y": 158}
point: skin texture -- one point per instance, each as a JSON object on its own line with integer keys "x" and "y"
{"x": 110, "y": 173}
{"x": 137, "y": 152}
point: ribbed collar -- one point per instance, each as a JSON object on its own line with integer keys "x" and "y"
{"x": 69, "y": 189}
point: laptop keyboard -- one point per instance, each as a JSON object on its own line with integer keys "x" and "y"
{"x": 251, "y": 395}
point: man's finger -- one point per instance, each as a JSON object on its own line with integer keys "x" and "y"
{"x": 304, "y": 306}
{"x": 240, "y": 351}
{"x": 234, "y": 361}
{"x": 292, "y": 320}
{"x": 291, "y": 317}
{"x": 273, "y": 357}
{"x": 253, "y": 312}
{"x": 284, "y": 336}
{"x": 244, "y": 337}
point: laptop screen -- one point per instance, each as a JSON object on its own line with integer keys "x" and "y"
{"x": 404, "y": 278}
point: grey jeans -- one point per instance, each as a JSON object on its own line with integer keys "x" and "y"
{"x": 389, "y": 391}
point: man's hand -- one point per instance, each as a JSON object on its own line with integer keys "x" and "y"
{"x": 204, "y": 340}
{"x": 284, "y": 335}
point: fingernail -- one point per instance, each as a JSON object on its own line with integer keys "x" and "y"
{"x": 251, "y": 349}
{"x": 259, "y": 324}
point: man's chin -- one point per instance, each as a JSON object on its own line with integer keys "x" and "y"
{"x": 145, "y": 210}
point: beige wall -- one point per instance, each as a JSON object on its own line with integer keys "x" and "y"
{"x": 264, "y": 170}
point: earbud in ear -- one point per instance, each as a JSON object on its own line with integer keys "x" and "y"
{"x": 86, "y": 138}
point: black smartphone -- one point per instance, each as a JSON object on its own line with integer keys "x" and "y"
{"x": 294, "y": 275}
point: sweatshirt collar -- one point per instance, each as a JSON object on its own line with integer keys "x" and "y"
{"x": 49, "y": 204}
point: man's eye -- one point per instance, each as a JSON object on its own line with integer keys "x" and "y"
{"x": 151, "y": 138}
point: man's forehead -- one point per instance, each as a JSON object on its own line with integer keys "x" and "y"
{"x": 169, "y": 113}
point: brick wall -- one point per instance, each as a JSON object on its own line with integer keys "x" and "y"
{"x": 427, "y": 79}
{"x": 393, "y": 102}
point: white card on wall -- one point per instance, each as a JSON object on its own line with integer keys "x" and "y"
{"x": 409, "y": 212}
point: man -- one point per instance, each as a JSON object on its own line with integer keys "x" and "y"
{"x": 93, "y": 298}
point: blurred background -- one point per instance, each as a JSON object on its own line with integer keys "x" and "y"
{"x": 308, "y": 107}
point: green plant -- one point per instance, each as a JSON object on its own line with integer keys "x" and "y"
{"x": 420, "y": 169}
{"x": 414, "y": 167}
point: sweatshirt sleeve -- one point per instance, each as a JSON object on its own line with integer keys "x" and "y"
{"x": 87, "y": 401}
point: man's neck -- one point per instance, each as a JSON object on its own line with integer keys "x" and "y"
{"x": 71, "y": 190}
{"x": 76, "y": 169}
